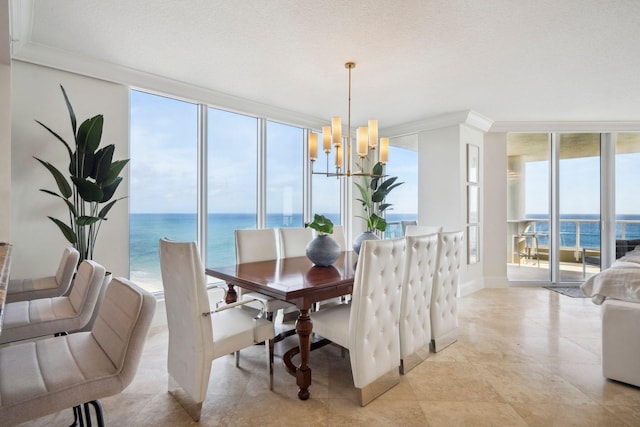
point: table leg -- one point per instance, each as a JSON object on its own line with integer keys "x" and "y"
{"x": 232, "y": 295}
{"x": 304, "y": 326}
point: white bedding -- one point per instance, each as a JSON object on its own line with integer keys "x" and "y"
{"x": 621, "y": 281}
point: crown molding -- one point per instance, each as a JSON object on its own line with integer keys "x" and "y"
{"x": 62, "y": 60}
{"x": 466, "y": 117}
{"x": 566, "y": 126}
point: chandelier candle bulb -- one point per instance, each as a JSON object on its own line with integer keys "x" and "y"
{"x": 326, "y": 139}
{"x": 313, "y": 146}
{"x": 384, "y": 150}
{"x": 336, "y": 129}
{"x": 373, "y": 134}
{"x": 338, "y": 156}
{"x": 362, "y": 141}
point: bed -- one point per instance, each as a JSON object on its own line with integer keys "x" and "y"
{"x": 617, "y": 290}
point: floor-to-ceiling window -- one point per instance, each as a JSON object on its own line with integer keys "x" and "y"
{"x": 285, "y": 159}
{"x": 232, "y": 171}
{"x": 163, "y": 182}
{"x": 403, "y": 163}
{"x": 528, "y": 206}
{"x": 579, "y": 205}
{"x": 627, "y": 177}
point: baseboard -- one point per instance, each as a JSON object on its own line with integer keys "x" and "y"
{"x": 470, "y": 287}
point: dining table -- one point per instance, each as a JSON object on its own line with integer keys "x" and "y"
{"x": 298, "y": 281}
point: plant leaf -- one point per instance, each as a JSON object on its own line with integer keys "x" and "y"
{"x": 61, "y": 181}
{"x": 107, "y": 191}
{"x": 72, "y": 115}
{"x": 89, "y": 191}
{"x": 90, "y": 133}
{"x": 386, "y": 183}
{"x": 58, "y": 137}
{"x": 86, "y": 220}
{"x": 105, "y": 210}
{"x": 116, "y": 168}
{"x": 377, "y": 169}
{"x": 102, "y": 164}
{"x": 69, "y": 204}
{"x": 66, "y": 230}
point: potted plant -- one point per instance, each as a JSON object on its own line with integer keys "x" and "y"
{"x": 322, "y": 250}
{"x": 374, "y": 190}
{"x": 94, "y": 177}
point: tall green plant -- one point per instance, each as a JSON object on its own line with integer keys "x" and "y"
{"x": 94, "y": 179}
{"x": 373, "y": 192}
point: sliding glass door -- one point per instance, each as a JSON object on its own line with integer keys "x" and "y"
{"x": 572, "y": 205}
{"x": 579, "y": 204}
{"x": 528, "y": 206}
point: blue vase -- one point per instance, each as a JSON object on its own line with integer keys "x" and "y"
{"x": 323, "y": 250}
{"x": 367, "y": 235}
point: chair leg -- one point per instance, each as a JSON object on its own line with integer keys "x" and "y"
{"x": 98, "y": 409}
{"x": 238, "y": 359}
{"x": 77, "y": 417}
{"x": 269, "y": 348}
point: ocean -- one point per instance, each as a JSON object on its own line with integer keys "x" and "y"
{"x": 589, "y": 227}
{"x": 147, "y": 229}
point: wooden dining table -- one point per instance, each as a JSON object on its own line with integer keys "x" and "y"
{"x": 298, "y": 281}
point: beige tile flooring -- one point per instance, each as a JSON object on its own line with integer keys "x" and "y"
{"x": 525, "y": 357}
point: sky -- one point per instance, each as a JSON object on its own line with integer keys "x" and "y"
{"x": 164, "y": 159}
{"x": 580, "y": 185}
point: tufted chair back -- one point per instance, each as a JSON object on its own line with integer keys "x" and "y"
{"x": 416, "y": 230}
{"x": 444, "y": 305}
{"x": 294, "y": 241}
{"x": 373, "y": 343}
{"x": 190, "y": 333}
{"x": 415, "y": 307}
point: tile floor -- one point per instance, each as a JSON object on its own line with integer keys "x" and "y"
{"x": 524, "y": 357}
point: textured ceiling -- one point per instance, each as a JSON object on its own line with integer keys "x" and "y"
{"x": 543, "y": 60}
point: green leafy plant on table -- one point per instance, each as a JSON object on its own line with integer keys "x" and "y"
{"x": 321, "y": 224}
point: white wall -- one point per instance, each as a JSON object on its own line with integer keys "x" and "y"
{"x": 495, "y": 210}
{"x": 442, "y": 193}
{"x": 5, "y": 153}
{"x": 5, "y": 124}
{"x": 36, "y": 94}
{"x": 440, "y": 186}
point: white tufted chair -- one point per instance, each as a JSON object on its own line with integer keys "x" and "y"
{"x": 49, "y": 316}
{"x": 368, "y": 327}
{"x": 197, "y": 336}
{"x": 49, "y": 375}
{"x": 444, "y": 304}
{"x": 294, "y": 241}
{"x": 49, "y": 286}
{"x": 416, "y": 230}
{"x": 415, "y": 307}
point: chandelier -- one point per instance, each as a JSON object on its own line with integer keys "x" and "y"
{"x": 366, "y": 139}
